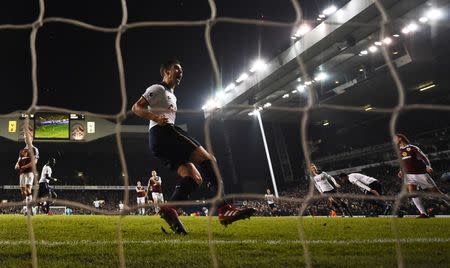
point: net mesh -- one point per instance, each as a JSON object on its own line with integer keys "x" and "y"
{"x": 208, "y": 24}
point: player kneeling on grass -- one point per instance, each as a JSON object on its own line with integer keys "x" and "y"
{"x": 369, "y": 185}
{"x": 180, "y": 152}
{"x": 416, "y": 170}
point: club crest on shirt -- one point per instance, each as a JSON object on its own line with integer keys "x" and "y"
{"x": 404, "y": 154}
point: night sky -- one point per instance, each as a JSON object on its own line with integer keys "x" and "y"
{"x": 77, "y": 68}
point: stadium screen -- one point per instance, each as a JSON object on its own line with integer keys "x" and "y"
{"x": 51, "y": 126}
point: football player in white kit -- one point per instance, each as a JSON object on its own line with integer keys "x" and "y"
{"x": 140, "y": 191}
{"x": 24, "y": 165}
{"x": 322, "y": 182}
{"x": 270, "y": 198}
{"x": 155, "y": 187}
{"x": 369, "y": 185}
{"x": 178, "y": 150}
{"x": 44, "y": 187}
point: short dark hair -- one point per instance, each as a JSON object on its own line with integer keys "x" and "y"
{"x": 166, "y": 65}
{"x": 403, "y": 138}
{"x": 342, "y": 175}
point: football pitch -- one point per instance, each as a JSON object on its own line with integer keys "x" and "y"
{"x": 91, "y": 241}
{"x": 52, "y": 132}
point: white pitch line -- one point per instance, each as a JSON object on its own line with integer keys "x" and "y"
{"x": 206, "y": 242}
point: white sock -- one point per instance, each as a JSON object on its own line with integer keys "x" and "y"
{"x": 419, "y": 205}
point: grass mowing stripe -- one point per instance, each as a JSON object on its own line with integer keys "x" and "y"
{"x": 205, "y": 242}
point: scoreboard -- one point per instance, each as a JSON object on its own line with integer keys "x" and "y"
{"x": 61, "y": 127}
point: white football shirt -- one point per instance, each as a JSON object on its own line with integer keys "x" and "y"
{"x": 46, "y": 170}
{"x": 361, "y": 180}
{"x": 321, "y": 182}
{"x": 161, "y": 100}
{"x": 269, "y": 198}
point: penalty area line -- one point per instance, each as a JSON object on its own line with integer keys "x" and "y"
{"x": 221, "y": 242}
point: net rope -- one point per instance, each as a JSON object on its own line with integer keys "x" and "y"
{"x": 208, "y": 24}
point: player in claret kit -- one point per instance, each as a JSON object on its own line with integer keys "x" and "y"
{"x": 180, "y": 152}
{"x": 140, "y": 191}
{"x": 416, "y": 170}
{"x": 24, "y": 165}
{"x": 155, "y": 187}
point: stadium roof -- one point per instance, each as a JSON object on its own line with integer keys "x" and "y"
{"x": 345, "y": 49}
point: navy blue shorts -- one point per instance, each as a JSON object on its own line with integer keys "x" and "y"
{"x": 171, "y": 145}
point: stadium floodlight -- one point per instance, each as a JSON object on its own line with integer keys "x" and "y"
{"x": 321, "y": 76}
{"x": 427, "y": 87}
{"x": 258, "y": 65}
{"x": 220, "y": 95}
{"x": 368, "y": 108}
{"x": 387, "y": 41}
{"x": 326, "y": 123}
{"x": 211, "y": 104}
{"x": 285, "y": 96}
{"x": 242, "y": 77}
{"x": 267, "y": 105}
{"x": 230, "y": 87}
{"x": 434, "y": 14}
{"x": 396, "y": 35}
{"x": 378, "y": 43}
{"x": 302, "y": 30}
{"x": 364, "y": 52}
{"x": 410, "y": 28}
{"x": 373, "y": 49}
{"x": 301, "y": 88}
{"x": 336, "y": 82}
{"x": 329, "y": 10}
{"x": 423, "y": 19}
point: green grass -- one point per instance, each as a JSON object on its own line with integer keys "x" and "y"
{"x": 259, "y": 242}
{"x": 52, "y": 132}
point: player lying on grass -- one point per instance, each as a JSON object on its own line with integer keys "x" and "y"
{"x": 180, "y": 152}
{"x": 369, "y": 185}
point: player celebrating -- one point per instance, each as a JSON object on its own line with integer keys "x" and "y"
{"x": 44, "y": 187}
{"x": 416, "y": 170}
{"x": 154, "y": 185}
{"x": 176, "y": 148}
{"x": 25, "y": 167}
{"x": 140, "y": 191}
{"x": 322, "y": 182}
